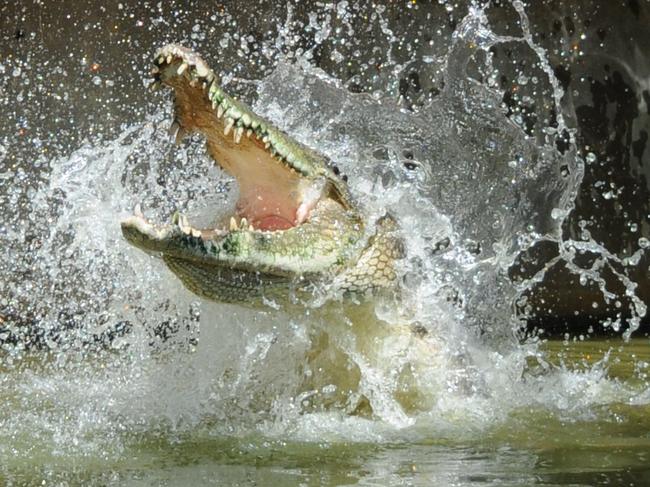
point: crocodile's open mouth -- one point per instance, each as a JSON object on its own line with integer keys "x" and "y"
{"x": 280, "y": 181}
{"x": 294, "y": 225}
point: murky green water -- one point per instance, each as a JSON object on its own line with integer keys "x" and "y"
{"x": 598, "y": 443}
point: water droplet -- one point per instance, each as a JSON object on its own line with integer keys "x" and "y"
{"x": 558, "y": 214}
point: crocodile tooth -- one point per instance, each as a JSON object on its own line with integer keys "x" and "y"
{"x": 243, "y": 223}
{"x": 214, "y": 104}
{"x": 196, "y": 233}
{"x": 137, "y": 211}
{"x": 246, "y": 119}
{"x": 239, "y": 131}
{"x": 169, "y": 58}
{"x": 180, "y": 135}
{"x": 266, "y": 139}
{"x": 229, "y": 123}
{"x": 267, "y": 145}
{"x": 174, "y": 130}
{"x": 202, "y": 70}
{"x": 184, "y": 224}
{"x": 177, "y": 133}
{"x": 220, "y": 111}
{"x": 233, "y": 224}
{"x": 161, "y": 59}
{"x": 181, "y": 69}
{"x": 249, "y": 132}
{"x": 155, "y": 70}
{"x": 250, "y": 228}
{"x": 193, "y": 83}
{"x": 155, "y": 85}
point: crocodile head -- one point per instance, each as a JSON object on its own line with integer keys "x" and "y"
{"x": 295, "y": 225}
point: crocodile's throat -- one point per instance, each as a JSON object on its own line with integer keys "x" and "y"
{"x": 294, "y": 222}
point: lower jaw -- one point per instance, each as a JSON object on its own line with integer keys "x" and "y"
{"x": 228, "y": 285}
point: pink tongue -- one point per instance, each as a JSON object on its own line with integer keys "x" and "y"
{"x": 272, "y": 222}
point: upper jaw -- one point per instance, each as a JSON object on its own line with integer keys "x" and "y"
{"x": 197, "y": 90}
{"x": 282, "y": 178}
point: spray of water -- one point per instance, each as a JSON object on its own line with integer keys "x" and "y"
{"x": 131, "y": 355}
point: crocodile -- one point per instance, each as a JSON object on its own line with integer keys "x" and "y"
{"x": 296, "y": 228}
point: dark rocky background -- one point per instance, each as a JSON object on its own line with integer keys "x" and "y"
{"x": 71, "y": 70}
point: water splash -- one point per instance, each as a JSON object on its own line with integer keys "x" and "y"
{"x": 473, "y": 190}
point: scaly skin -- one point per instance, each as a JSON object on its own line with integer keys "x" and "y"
{"x": 296, "y": 226}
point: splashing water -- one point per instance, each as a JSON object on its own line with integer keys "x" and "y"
{"x": 130, "y": 358}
